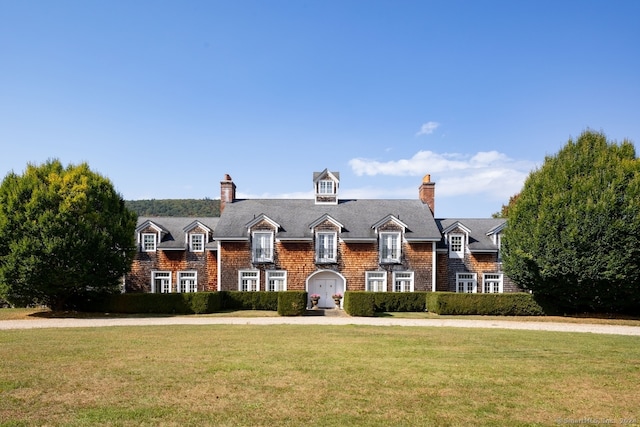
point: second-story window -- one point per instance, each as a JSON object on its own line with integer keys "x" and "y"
{"x": 326, "y": 250}
{"x": 389, "y": 247}
{"x": 262, "y": 247}
{"x": 456, "y": 246}
{"x": 196, "y": 242}
{"x": 148, "y": 242}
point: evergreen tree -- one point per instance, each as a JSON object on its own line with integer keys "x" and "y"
{"x": 574, "y": 232}
{"x": 64, "y": 233}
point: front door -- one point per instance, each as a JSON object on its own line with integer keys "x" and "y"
{"x": 325, "y": 288}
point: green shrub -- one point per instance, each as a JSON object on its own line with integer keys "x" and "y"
{"x": 399, "y": 301}
{"x": 510, "y": 304}
{"x": 203, "y": 302}
{"x": 359, "y": 303}
{"x": 175, "y": 303}
{"x": 238, "y": 300}
{"x": 292, "y": 303}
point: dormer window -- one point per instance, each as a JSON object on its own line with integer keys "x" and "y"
{"x": 149, "y": 242}
{"x": 390, "y": 248}
{"x": 326, "y": 247}
{"x": 456, "y": 246}
{"x": 196, "y": 242}
{"x": 326, "y": 186}
{"x": 262, "y": 246}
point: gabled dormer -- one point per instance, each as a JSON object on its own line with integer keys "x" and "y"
{"x": 325, "y": 230}
{"x": 390, "y": 231}
{"x": 326, "y": 186}
{"x": 262, "y": 230}
{"x": 456, "y": 237}
{"x": 196, "y": 236}
{"x": 495, "y": 233}
{"x": 149, "y": 235}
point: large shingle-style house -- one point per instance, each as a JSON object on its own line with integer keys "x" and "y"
{"x": 324, "y": 245}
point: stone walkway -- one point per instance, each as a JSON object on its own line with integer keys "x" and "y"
{"x": 338, "y": 319}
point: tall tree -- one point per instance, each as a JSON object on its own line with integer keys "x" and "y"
{"x": 574, "y": 233}
{"x": 64, "y": 233}
{"x": 504, "y": 211}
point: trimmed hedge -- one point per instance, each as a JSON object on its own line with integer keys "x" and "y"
{"x": 400, "y": 301}
{"x": 359, "y": 303}
{"x": 186, "y": 303}
{"x": 239, "y": 300}
{"x": 197, "y": 302}
{"x": 366, "y": 304}
{"x": 509, "y": 304}
{"x": 292, "y": 303}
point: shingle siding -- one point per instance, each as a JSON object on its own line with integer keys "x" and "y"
{"x": 295, "y": 224}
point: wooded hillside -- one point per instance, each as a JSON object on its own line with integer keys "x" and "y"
{"x": 175, "y": 207}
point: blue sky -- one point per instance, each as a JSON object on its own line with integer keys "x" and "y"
{"x": 165, "y": 97}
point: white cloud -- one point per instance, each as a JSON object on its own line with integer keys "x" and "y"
{"x": 428, "y": 128}
{"x": 488, "y": 173}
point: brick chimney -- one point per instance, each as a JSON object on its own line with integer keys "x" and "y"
{"x": 428, "y": 193}
{"x": 227, "y": 191}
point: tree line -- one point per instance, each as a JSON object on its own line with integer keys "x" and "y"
{"x": 175, "y": 207}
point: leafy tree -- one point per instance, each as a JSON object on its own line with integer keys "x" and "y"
{"x": 64, "y": 234}
{"x": 574, "y": 233}
{"x": 504, "y": 212}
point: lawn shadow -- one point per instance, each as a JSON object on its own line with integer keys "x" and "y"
{"x": 86, "y": 315}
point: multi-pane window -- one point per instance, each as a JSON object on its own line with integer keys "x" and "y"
{"x": 376, "y": 281}
{"x": 187, "y": 281}
{"x": 326, "y": 186}
{"x": 492, "y": 283}
{"x": 466, "y": 282}
{"x": 403, "y": 281}
{"x": 161, "y": 282}
{"x": 326, "y": 247}
{"x": 148, "y": 242}
{"x": 389, "y": 247}
{"x": 249, "y": 280}
{"x": 456, "y": 246}
{"x": 276, "y": 281}
{"x": 262, "y": 247}
{"x": 196, "y": 242}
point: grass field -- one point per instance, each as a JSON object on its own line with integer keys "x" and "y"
{"x": 288, "y": 375}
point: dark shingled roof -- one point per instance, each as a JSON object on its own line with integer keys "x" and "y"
{"x": 357, "y": 216}
{"x": 479, "y": 241}
{"x": 175, "y": 229}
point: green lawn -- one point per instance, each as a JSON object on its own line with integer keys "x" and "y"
{"x": 290, "y": 375}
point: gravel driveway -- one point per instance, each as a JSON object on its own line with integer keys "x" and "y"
{"x": 318, "y": 320}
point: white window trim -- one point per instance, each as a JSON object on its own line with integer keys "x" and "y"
{"x": 334, "y": 256}
{"x": 187, "y": 275}
{"x": 191, "y": 245}
{"x": 383, "y": 240}
{"x": 410, "y": 278}
{"x": 277, "y": 275}
{"x": 381, "y": 277}
{"x": 155, "y": 275}
{"x": 492, "y": 278}
{"x": 460, "y": 253}
{"x": 326, "y": 187}
{"x": 254, "y": 247}
{"x": 249, "y": 274}
{"x": 467, "y": 278}
{"x": 143, "y": 242}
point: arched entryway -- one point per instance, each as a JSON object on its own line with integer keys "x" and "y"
{"x": 326, "y": 283}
